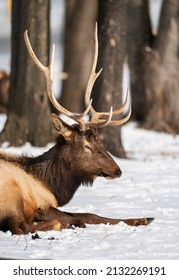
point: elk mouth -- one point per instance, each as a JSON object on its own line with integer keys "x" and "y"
{"x": 110, "y": 176}
{"x": 107, "y": 176}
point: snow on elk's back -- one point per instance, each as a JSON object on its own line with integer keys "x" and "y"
{"x": 148, "y": 187}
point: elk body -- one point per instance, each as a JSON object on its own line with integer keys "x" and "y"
{"x": 31, "y": 188}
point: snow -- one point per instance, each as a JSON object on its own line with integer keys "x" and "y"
{"x": 149, "y": 187}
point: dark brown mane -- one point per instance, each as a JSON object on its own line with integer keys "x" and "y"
{"x": 54, "y": 168}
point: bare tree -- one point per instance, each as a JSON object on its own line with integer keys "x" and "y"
{"x": 160, "y": 67}
{"x": 108, "y": 88}
{"x": 138, "y": 37}
{"x": 79, "y": 28}
{"x": 28, "y": 111}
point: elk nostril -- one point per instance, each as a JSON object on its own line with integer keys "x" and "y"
{"x": 119, "y": 173}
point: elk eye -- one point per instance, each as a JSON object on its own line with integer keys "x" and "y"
{"x": 88, "y": 133}
{"x": 88, "y": 148}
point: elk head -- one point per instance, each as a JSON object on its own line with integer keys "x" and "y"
{"x": 82, "y": 144}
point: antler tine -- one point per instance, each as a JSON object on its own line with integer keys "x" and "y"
{"x": 96, "y": 116}
{"x": 92, "y": 78}
{"x": 117, "y": 111}
{"x": 48, "y": 72}
{"x": 101, "y": 123}
{"x": 93, "y": 75}
{"x": 123, "y": 120}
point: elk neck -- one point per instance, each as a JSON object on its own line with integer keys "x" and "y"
{"x": 55, "y": 169}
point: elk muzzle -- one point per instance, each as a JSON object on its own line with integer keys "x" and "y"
{"x": 111, "y": 172}
{"x": 110, "y": 176}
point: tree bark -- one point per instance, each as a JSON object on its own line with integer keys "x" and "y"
{"x": 154, "y": 66}
{"x": 161, "y": 75}
{"x": 28, "y": 111}
{"x": 108, "y": 87}
{"x": 139, "y": 37}
{"x": 79, "y": 29}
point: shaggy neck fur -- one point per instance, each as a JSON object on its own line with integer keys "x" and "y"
{"x": 56, "y": 170}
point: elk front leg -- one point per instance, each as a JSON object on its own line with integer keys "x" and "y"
{"x": 88, "y": 218}
{"x": 63, "y": 217}
{"x": 80, "y": 219}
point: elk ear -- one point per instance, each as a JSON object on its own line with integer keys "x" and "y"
{"x": 62, "y": 127}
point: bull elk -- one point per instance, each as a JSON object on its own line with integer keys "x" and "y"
{"x": 31, "y": 188}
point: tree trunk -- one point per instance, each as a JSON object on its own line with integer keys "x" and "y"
{"x": 161, "y": 76}
{"x": 108, "y": 87}
{"x": 139, "y": 37}
{"x": 80, "y": 22}
{"x": 28, "y": 111}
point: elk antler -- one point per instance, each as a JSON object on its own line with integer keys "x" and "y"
{"x": 96, "y": 116}
{"x": 48, "y": 72}
{"x": 98, "y": 119}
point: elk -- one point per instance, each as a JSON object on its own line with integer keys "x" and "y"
{"x": 32, "y": 188}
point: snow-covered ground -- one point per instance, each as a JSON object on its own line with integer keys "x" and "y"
{"x": 149, "y": 187}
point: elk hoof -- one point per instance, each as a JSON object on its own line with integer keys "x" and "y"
{"x": 149, "y": 220}
{"x": 71, "y": 227}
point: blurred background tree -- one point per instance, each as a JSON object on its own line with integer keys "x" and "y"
{"x": 154, "y": 66}
{"x": 28, "y": 115}
{"x": 112, "y": 50}
{"x": 80, "y": 17}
